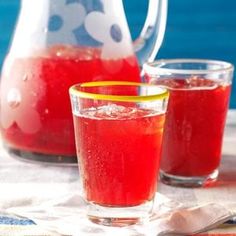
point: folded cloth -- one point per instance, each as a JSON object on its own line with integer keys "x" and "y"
{"x": 66, "y": 215}
{"x": 49, "y": 196}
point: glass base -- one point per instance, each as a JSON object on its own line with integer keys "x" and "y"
{"x": 38, "y": 157}
{"x": 120, "y": 216}
{"x": 189, "y": 182}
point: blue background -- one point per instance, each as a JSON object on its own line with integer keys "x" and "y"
{"x": 195, "y": 29}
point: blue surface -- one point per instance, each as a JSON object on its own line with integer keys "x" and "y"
{"x": 195, "y": 29}
{"x": 4, "y": 220}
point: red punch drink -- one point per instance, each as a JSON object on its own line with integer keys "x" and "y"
{"x": 195, "y": 119}
{"x": 118, "y": 133}
{"x": 35, "y": 105}
{"x": 119, "y": 154}
{"x": 194, "y": 127}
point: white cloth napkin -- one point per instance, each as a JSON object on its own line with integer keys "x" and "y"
{"x": 67, "y": 216}
{"x": 49, "y": 195}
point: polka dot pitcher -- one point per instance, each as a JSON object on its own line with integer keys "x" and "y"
{"x": 58, "y": 43}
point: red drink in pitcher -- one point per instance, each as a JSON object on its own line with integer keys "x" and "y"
{"x": 35, "y": 105}
{"x": 119, "y": 154}
{"x": 194, "y": 126}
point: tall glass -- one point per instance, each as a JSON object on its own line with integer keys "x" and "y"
{"x": 196, "y": 113}
{"x": 118, "y": 133}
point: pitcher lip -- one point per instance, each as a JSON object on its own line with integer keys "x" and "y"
{"x": 155, "y": 67}
{"x": 160, "y": 95}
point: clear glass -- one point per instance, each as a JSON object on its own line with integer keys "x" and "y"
{"x": 118, "y": 131}
{"x": 56, "y": 44}
{"x": 151, "y": 37}
{"x": 195, "y": 121}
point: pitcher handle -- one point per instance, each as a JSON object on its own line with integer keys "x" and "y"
{"x": 150, "y": 39}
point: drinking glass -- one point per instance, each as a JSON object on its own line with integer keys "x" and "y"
{"x": 118, "y": 132}
{"x": 195, "y": 120}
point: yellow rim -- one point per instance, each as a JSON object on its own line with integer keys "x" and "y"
{"x": 120, "y": 98}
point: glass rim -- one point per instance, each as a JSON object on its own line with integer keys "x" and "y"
{"x": 73, "y": 90}
{"x": 151, "y": 67}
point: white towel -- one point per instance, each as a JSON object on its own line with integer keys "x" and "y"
{"x": 66, "y": 215}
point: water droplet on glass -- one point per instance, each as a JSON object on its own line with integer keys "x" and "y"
{"x": 46, "y": 111}
{"x": 34, "y": 94}
{"x": 14, "y": 98}
{"x": 59, "y": 53}
{"x": 25, "y": 77}
{"x": 88, "y": 58}
{"x": 45, "y": 30}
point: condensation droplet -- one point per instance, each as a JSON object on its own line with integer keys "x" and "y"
{"x": 34, "y": 94}
{"x": 46, "y": 111}
{"x": 25, "y": 78}
{"x": 58, "y": 54}
{"x": 45, "y": 30}
{"x": 14, "y": 98}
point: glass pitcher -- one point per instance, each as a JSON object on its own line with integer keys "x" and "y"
{"x": 58, "y": 43}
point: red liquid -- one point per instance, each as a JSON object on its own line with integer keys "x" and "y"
{"x": 40, "y": 118}
{"x": 119, "y": 158}
{"x": 194, "y": 128}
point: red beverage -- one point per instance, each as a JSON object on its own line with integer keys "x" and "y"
{"x": 119, "y": 155}
{"x": 35, "y": 106}
{"x": 194, "y": 126}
